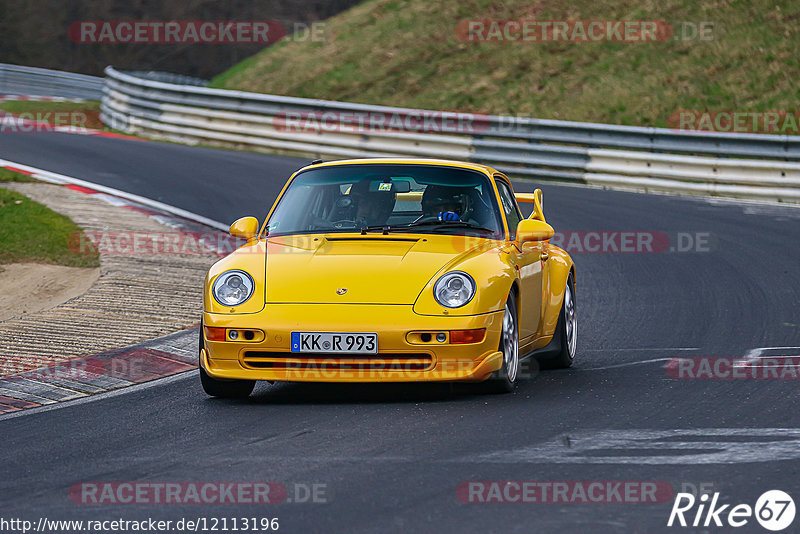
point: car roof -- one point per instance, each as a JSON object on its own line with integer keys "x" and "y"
{"x": 407, "y": 161}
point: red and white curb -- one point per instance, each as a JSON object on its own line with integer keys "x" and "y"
{"x": 99, "y": 373}
{"x": 89, "y": 375}
{"x": 35, "y": 98}
{"x": 158, "y": 211}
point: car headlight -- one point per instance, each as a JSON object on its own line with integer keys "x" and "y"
{"x": 454, "y": 289}
{"x": 232, "y": 288}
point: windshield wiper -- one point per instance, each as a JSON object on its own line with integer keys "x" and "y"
{"x": 452, "y": 224}
{"x": 375, "y": 228}
{"x": 459, "y": 224}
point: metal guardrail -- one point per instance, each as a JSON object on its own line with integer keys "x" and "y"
{"x": 33, "y": 81}
{"x": 709, "y": 163}
{"x": 169, "y": 77}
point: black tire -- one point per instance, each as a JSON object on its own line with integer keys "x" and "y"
{"x": 504, "y": 380}
{"x": 225, "y": 389}
{"x": 567, "y": 330}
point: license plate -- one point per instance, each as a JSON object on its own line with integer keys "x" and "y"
{"x": 335, "y": 342}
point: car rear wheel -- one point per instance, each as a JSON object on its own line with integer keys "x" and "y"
{"x": 504, "y": 380}
{"x": 226, "y": 389}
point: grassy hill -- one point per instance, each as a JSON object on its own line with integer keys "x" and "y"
{"x": 407, "y": 53}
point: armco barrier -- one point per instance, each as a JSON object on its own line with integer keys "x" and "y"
{"x": 755, "y": 166}
{"x": 32, "y": 81}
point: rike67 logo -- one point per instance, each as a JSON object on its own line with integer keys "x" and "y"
{"x": 774, "y": 510}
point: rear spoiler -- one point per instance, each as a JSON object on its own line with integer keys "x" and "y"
{"x": 534, "y": 198}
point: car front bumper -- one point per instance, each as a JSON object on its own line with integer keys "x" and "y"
{"x": 403, "y": 354}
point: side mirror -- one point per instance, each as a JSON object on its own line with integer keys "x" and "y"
{"x": 245, "y": 228}
{"x": 533, "y": 230}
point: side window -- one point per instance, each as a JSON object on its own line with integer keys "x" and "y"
{"x": 510, "y": 208}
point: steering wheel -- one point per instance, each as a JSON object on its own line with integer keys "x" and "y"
{"x": 344, "y": 222}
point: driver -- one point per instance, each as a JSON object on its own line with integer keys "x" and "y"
{"x": 373, "y": 207}
{"x": 445, "y": 203}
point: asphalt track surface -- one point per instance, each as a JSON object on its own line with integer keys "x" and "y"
{"x": 391, "y": 456}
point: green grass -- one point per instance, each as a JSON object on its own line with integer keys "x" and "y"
{"x": 90, "y": 110}
{"x": 406, "y": 53}
{"x": 13, "y": 176}
{"x": 33, "y": 105}
{"x": 85, "y": 114}
{"x": 32, "y": 233}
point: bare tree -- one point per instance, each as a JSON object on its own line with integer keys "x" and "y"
{"x": 36, "y": 32}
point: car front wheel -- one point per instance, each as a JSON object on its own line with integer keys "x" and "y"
{"x": 504, "y": 380}
{"x": 226, "y": 389}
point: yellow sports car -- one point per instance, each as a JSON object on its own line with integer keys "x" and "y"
{"x": 389, "y": 270}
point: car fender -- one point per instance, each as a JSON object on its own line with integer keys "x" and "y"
{"x": 493, "y": 276}
{"x": 559, "y": 266}
{"x": 249, "y": 258}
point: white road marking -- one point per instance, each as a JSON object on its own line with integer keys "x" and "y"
{"x": 640, "y": 362}
{"x": 753, "y": 206}
{"x": 665, "y": 349}
{"x": 754, "y": 355}
{"x": 617, "y": 366}
{"x": 752, "y": 358}
{"x": 657, "y": 447}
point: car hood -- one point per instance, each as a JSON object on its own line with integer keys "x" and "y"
{"x": 370, "y": 269}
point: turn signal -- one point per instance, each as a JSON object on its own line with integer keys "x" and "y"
{"x": 215, "y": 333}
{"x": 467, "y": 336}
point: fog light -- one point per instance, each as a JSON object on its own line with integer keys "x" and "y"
{"x": 233, "y": 334}
{"x": 441, "y": 337}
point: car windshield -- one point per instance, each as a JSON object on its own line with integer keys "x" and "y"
{"x": 387, "y": 197}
